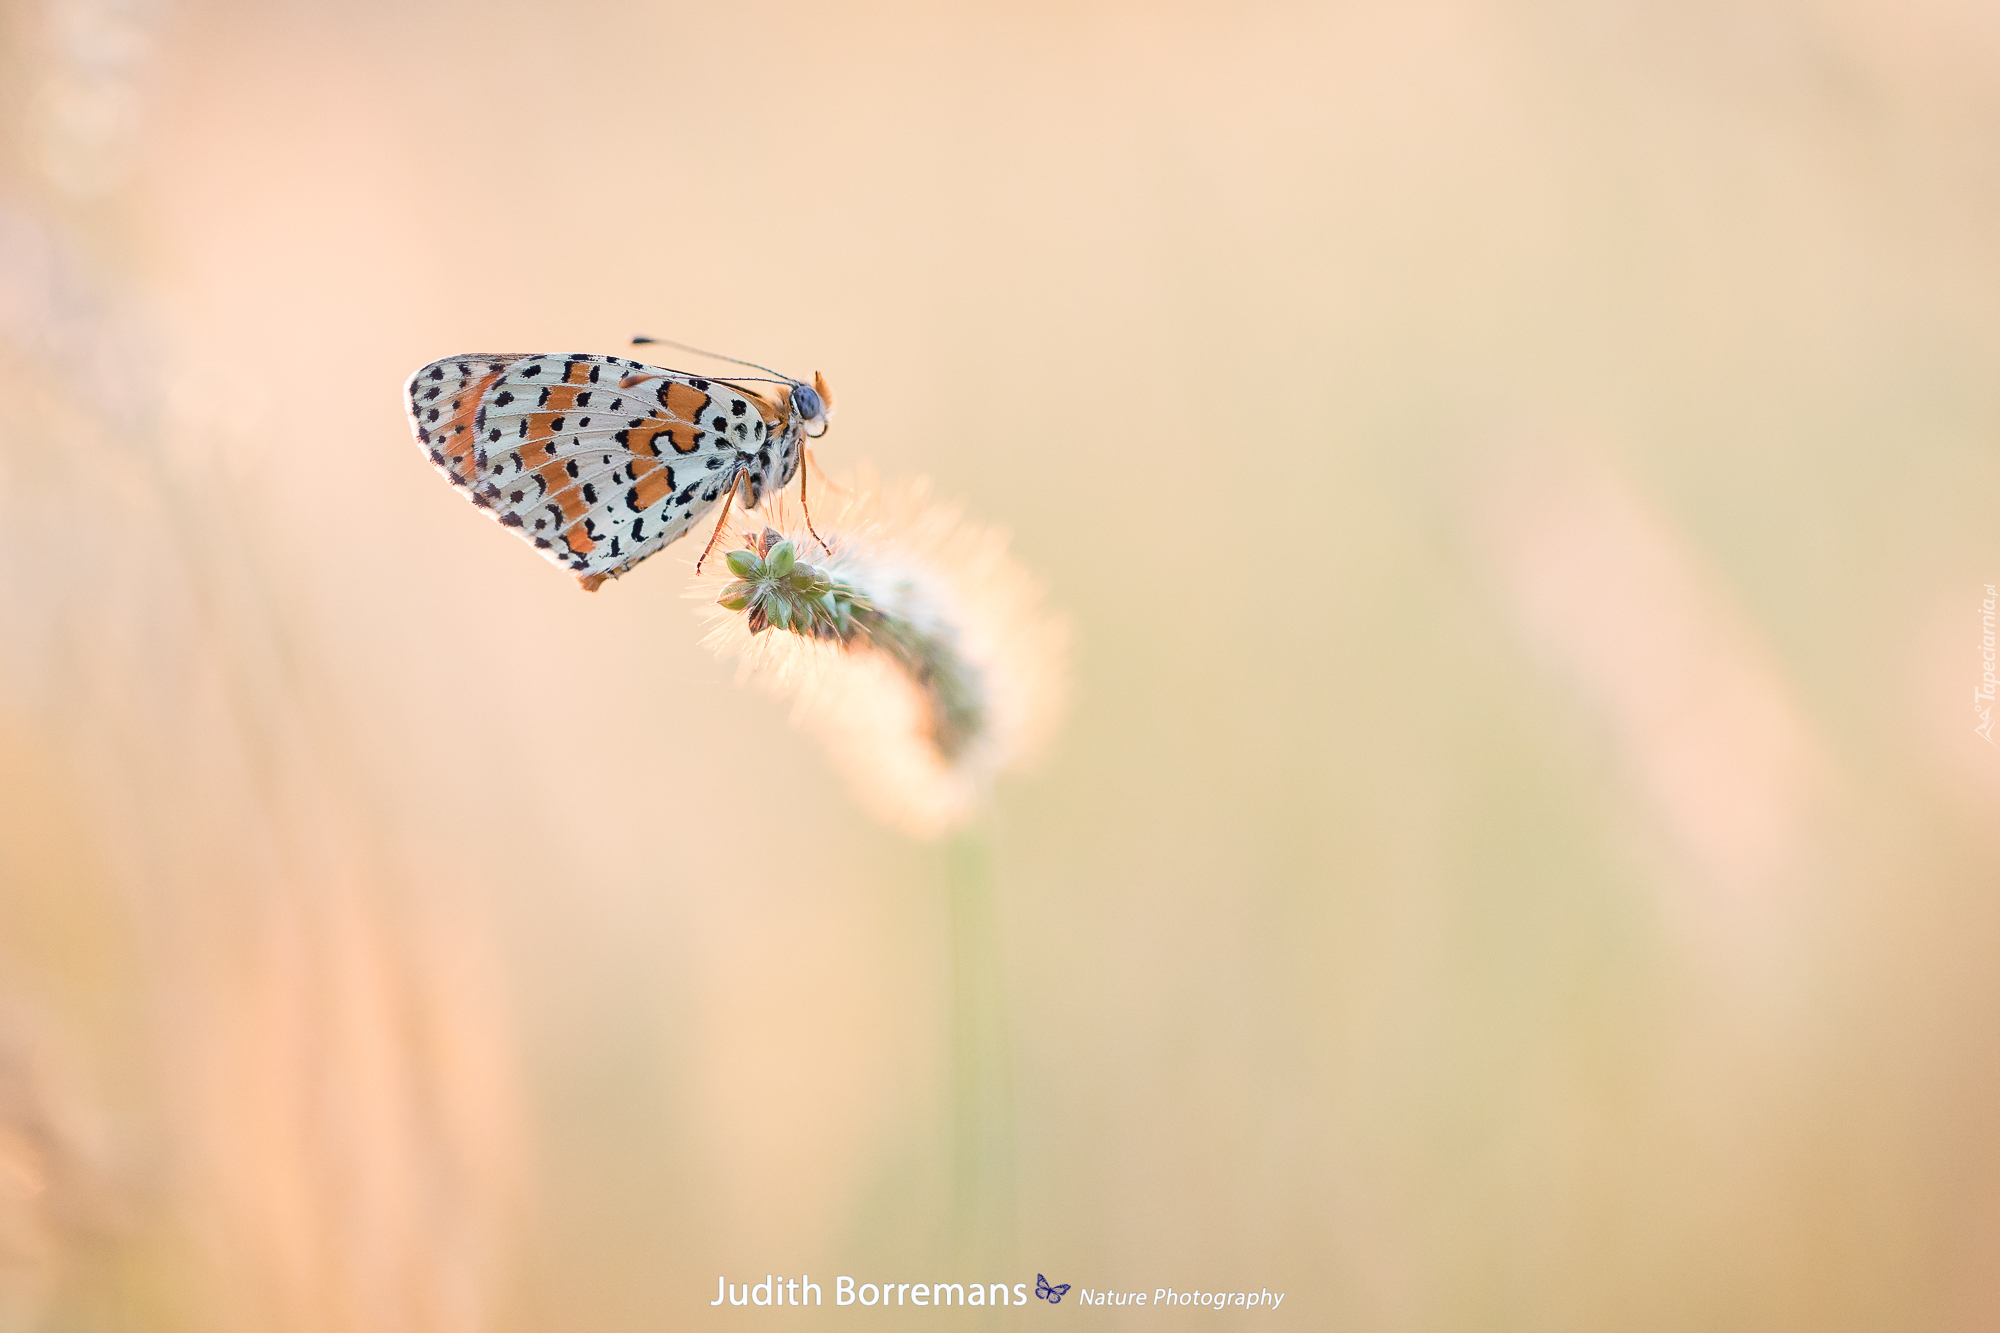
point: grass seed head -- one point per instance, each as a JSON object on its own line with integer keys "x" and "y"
{"x": 910, "y": 641}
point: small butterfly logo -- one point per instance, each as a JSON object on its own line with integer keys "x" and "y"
{"x": 1052, "y": 1294}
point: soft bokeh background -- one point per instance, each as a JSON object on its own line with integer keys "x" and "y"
{"x": 1522, "y": 479}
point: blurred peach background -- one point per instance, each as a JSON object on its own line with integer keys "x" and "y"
{"x": 1521, "y": 478}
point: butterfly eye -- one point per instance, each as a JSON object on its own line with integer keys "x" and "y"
{"x": 806, "y": 403}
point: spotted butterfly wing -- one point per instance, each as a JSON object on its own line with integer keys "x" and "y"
{"x": 597, "y": 461}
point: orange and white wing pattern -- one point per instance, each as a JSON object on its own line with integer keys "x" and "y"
{"x": 598, "y": 461}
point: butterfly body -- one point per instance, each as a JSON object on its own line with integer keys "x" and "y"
{"x": 600, "y": 461}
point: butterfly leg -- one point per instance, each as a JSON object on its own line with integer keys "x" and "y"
{"x": 805, "y": 466}
{"x": 730, "y": 499}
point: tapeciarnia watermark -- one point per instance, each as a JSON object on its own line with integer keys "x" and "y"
{"x": 1982, "y": 693}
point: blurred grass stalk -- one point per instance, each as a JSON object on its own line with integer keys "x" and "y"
{"x": 255, "y": 1070}
{"x": 920, "y": 650}
{"x": 982, "y": 1105}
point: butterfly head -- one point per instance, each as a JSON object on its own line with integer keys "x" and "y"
{"x": 813, "y": 405}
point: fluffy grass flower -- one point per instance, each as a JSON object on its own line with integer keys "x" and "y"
{"x": 910, "y": 641}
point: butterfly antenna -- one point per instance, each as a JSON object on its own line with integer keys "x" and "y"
{"x": 642, "y": 340}
{"x": 718, "y": 523}
{"x": 805, "y": 466}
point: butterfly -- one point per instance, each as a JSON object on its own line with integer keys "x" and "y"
{"x": 599, "y": 461}
{"x": 1053, "y": 1295}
